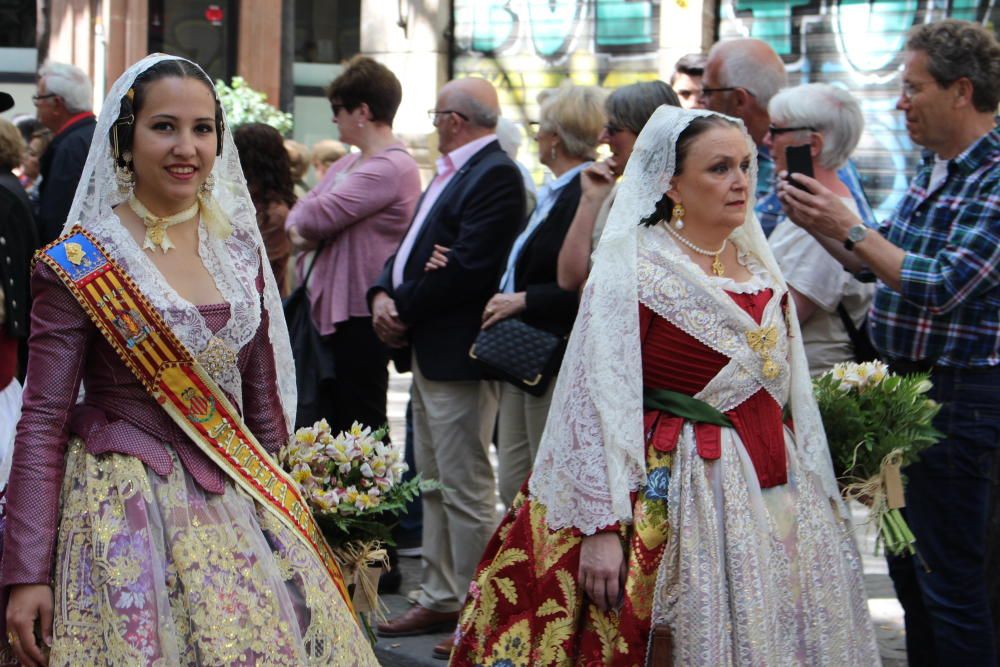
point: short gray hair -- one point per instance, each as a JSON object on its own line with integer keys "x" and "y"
{"x": 739, "y": 68}
{"x": 631, "y": 106}
{"x": 478, "y": 113}
{"x": 832, "y": 111}
{"x": 576, "y": 115}
{"x": 70, "y": 83}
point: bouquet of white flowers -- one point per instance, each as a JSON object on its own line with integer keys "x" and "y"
{"x": 353, "y": 483}
{"x": 877, "y": 422}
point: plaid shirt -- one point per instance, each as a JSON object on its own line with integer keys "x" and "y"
{"x": 947, "y": 309}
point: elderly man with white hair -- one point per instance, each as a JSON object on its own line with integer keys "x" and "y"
{"x": 831, "y": 303}
{"x": 64, "y": 104}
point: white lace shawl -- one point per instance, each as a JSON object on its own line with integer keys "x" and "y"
{"x": 592, "y": 453}
{"x": 234, "y": 262}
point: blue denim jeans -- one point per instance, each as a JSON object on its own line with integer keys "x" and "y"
{"x": 944, "y": 590}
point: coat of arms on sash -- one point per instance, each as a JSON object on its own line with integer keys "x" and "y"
{"x": 200, "y": 407}
{"x": 132, "y": 327}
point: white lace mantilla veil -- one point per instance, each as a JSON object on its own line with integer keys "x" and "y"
{"x": 234, "y": 260}
{"x": 592, "y": 453}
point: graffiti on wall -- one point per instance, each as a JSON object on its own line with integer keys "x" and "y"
{"x": 526, "y": 46}
{"x": 856, "y": 44}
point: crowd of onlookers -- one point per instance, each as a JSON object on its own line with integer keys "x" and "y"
{"x": 413, "y": 272}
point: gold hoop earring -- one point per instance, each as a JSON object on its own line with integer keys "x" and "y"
{"x": 678, "y": 215}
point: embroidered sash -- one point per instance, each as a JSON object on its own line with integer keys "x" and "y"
{"x": 179, "y": 383}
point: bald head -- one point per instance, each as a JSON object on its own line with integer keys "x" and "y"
{"x": 474, "y": 109}
{"x": 757, "y": 73}
{"x": 476, "y": 98}
{"x": 751, "y": 64}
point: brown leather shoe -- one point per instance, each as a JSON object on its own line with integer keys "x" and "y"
{"x": 442, "y": 651}
{"x": 418, "y": 621}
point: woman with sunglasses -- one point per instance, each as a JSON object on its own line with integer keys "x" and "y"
{"x": 627, "y": 108}
{"x": 353, "y": 220}
{"x": 831, "y": 303}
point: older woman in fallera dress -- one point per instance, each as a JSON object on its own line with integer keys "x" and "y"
{"x": 159, "y": 299}
{"x": 669, "y": 493}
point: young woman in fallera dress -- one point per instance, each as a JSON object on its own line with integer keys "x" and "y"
{"x": 159, "y": 552}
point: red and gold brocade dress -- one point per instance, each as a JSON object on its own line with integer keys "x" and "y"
{"x": 525, "y": 606}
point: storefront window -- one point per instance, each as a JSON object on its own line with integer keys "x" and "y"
{"x": 203, "y": 32}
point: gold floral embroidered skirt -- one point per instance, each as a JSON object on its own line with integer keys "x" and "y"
{"x": 155, "y": 571}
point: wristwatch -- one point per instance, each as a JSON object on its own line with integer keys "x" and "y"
{"x": 855, "y": 234}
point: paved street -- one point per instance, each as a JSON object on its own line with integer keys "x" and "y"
{"x": 887, "y": 615}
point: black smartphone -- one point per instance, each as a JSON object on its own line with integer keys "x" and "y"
{"x": 798, "y": 160}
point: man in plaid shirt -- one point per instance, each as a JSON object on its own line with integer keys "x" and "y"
{"x": 936, "y": 309}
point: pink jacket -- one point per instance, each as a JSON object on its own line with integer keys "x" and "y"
{"x": 117, "y": 415}
{"x": 362, "y": 214}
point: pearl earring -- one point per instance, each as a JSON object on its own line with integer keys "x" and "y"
{"x": 678, "y": 214}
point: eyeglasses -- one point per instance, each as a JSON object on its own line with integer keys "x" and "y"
{"x": 37, "y": 98}
{"x": 337, "y": 107}
{"x": 913, "y": 88}
{"x": 434, "y": 113}
{"x": 612, "y": 129}
{"x": 782, "y": 130}
{"x": 705, "y": 91}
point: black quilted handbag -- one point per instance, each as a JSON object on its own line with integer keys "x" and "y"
{"x": 520, "y": 354}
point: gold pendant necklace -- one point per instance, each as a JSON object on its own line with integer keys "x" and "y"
{"x": 718, "y": 268}
{"x": 156, "y": 227}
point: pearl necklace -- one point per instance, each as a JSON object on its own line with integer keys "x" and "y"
{"x": 156, "y": 227}
{"x": 717, "y": 267}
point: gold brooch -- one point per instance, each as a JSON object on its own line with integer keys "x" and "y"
{"x": 217, "y": 357}
{"x": 762, "y": 341}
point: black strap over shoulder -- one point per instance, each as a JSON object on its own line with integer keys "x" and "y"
{"x": 860, "y": 342}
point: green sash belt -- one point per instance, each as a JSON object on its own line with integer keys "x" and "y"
{"x": 682, "y": 405}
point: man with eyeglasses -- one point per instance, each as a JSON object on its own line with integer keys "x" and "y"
{"x": 741, "y": 77}
{"x": 470, "y": 212}
{"x": 64, "y": 104}
{"x": 937, "y": 309}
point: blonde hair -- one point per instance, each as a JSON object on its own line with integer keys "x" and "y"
{"x": 11, "y": 145}
{"x": 576, "y": 115}
{"x": 328, "y": 151}
{"x": 298, "y": 158}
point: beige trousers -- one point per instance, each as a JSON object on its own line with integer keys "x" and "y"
{"x": 452, "y": 429}
{"x": 519, "y": 432}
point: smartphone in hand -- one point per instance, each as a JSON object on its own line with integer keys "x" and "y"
{"x": 798, "y": 160}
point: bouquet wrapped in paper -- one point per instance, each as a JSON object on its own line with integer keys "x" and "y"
{"x": 877, "y": 422}
{"x": 353, "y": 482}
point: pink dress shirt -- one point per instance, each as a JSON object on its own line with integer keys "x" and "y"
{"x": 117, "y": 415}
{"x": 447, "y": 166}
{"x": 361, "y": 211}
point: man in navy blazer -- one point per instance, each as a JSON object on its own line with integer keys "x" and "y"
{"x": 474, "y": 208}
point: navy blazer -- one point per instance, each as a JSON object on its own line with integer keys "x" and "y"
{"x": 477, "y": 216}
